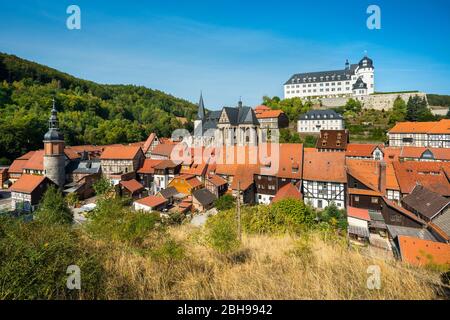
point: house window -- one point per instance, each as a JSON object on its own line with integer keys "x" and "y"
{"x": 319, "y": 204}
{"x": 374, "y": 200}
{"x": 356, "y": 198}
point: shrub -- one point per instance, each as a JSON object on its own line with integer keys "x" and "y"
{"x": 34, "y": 260}
{"x": 335, "y": 217}
{"x": 225, "y": 202}
{"x": 221, "y": 233}
{"x": 53, "y": 209}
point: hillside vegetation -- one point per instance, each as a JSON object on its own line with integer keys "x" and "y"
{"x": 90, "y": 113}
{"x": 284, "y": 254}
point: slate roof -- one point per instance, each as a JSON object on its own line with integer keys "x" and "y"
{"x": 87, "y": 167}
{"x": 321, "y": 76}
{"x": 320, "y": 114}
{"x": 426, "y": 202}
{"x": 359, "y": 84}
{"x": 443, "y": 222}
{"x": 168, "y": 192}
{"x": 204, "y": 196}
{"x": 396, "y": 231}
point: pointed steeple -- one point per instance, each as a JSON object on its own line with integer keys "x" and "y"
{"x": 201, "y": 108}
{"x": 53, "y": 125}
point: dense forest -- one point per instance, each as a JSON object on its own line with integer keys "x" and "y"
{"x": 90, "y": 113}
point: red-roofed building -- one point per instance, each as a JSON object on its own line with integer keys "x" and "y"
{"x": 216, "y": 185}
{"x": 270, "y": 122}
{"x": 117, "y": 161}
{"x": 130, "y": 188}
{"x": 358, "y": 223}
{"x": 28, "y": 191}
{"x": 421, "y": 134}
{"x": 147, "y": 171}
{"x": 421, "y": 252}
{"x": 186, "y": 184}
{"x": 151, "y": 142}
{"x": 364, "y": 151}
{"x": 150, "y": 203}
{"x": 289, "y": 191}
{"x": 35, "y": 165}
{"x": 162, "y": 151}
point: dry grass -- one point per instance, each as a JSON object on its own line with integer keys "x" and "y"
{"x": 265, "y": 267}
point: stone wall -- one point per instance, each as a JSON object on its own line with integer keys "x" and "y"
{"x": 375, "y": 101}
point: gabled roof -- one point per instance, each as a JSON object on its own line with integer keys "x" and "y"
{"x": 426, "y": 202}
{"x": 148, "y": 142}
{"x": 168, "y": 192}
{"x": 423, "y": 252}
{"x": 120, "y": 152}
{"x": 152, "y": 201}
{"x": 269, "y": 114}
{"x": 132, "y": 185}
{"x": 204, "y": 196}
{"x": 324, "y": 166}
{"x": 289, "y": 191}
{"x": 358, "y": 213}
{"x": 26, "y": 156}
{"x": 216, "y": 180}
{"x": 36, "y": 162}
{"x": 365, "y": 171}
{"x": 261, "y": 108}
{"x": 428, "y": 174}
{"x": 149, "y": 165}
{"x": 361, "y": 150}
{"x": 434, "y": 127}
{"x": 241, "y": 115}
{"x": 189, "y": 179}
{"x": 425, "y": 153}
{"x": 27, "y": 183}
{"x": 166, "y": 164}
{"x": 17, "y": 166}
{"x": 163, "y": 149}
{"x": 333, "y": 139}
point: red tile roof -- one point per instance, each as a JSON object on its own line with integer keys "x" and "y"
{"x": 148, "y": 142}
{"x": 324, "y": 166}
{"x": 27, "y": 183}
{"x": 429, "y": 174}
{"x": 361, "y": 150}
{"x": 36, "y": 162}
{"x": 27, "y": 155}
{"x": 365, "y": 171}
{"x": 289, "y": 191}
{"x": 435, "y": 127}
{"x": 152, "y": 201}
{"x": 120, "y": 152}
{"x": 261, "y": 108}
{"x": 163, "y": 149}
{"x": 17, "y": 166}
{"x": 269, "y": 114}
{"x": 358, "y": 213}
{"x": 217, "y": 180}
{"x": 132, "y": 185}
{"x": 423, "y": 252}
{"x": 149, "y": 166}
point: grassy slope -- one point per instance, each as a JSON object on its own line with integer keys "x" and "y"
{"x": 266, "y": 267}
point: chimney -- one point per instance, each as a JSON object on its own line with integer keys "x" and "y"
{"x": 382, "y": 177}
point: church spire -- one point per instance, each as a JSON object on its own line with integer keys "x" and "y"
{"x": 201, "y": 108}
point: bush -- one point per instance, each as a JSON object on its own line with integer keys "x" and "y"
{"x": 34, "y": 260}
{"x": 335, "y": 217}
{"x": 53, "y": 209}
{"x": 221, "y": 233}
{"x": 225, "y": 202}
{"x": 102, "y": 186}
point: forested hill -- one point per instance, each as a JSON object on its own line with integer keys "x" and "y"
{"x": 90, "y": 113}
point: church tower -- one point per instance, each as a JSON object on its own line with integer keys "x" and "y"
{"x": 198, "y": 123}
{"x": 54, "y": 158}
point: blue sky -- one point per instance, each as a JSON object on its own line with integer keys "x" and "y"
{"x": 232, "y": 48}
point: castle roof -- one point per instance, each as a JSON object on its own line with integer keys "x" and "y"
{"x": 320, "y": 114}
{"x": 322, "y": 76}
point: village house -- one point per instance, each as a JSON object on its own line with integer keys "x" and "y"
{"x": 4, "y": 177}
{"x": 435, "y": 134}
{"x": 120, "y": 161}
{"x": 130, "y": 188}
{"x": 217, "y": 185}
{"x": 324, "y": 179}
{"x": 145, "y": 174}
{"x": 332, "y": 141}
{"x": 150, "y": 144}
{"x": 170, "y": 194}
{"x": 162, "y": 151}
{"x": 16, "y": 168}
{"x": 423, "y": 154}
{"x": 275, "y": 173}
{"x": 150, "y": 203}
{"x": 186, "y": 183}
{"x": 203, "y": 200}
{"x": 288, "y": 191}
{"x": 315, "y": 121}
{"x": 27, "y": 192}
{"x": 358, "y": 224}
{"x": 271, "y": 121}
{"x": 165, "y": 171}
{"x": 364, "y": 151}
{"x": 426, "y": 204}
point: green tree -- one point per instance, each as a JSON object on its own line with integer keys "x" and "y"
{"x": 221, "y": 233}
{"x": 53, "y": 209}
{"x": 353, "y": 106}
{"x": 102, "y": 186}
{"x": 334, "y": 216}
{"x": 417, "y": 110}
{"x": 398, "y": 112}
{"x": 224, "y": 202}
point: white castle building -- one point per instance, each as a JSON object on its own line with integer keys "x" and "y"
{"x": 356, "y": 80}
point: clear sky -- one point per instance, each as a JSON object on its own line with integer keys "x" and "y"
{"x": 230, "y": 48}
